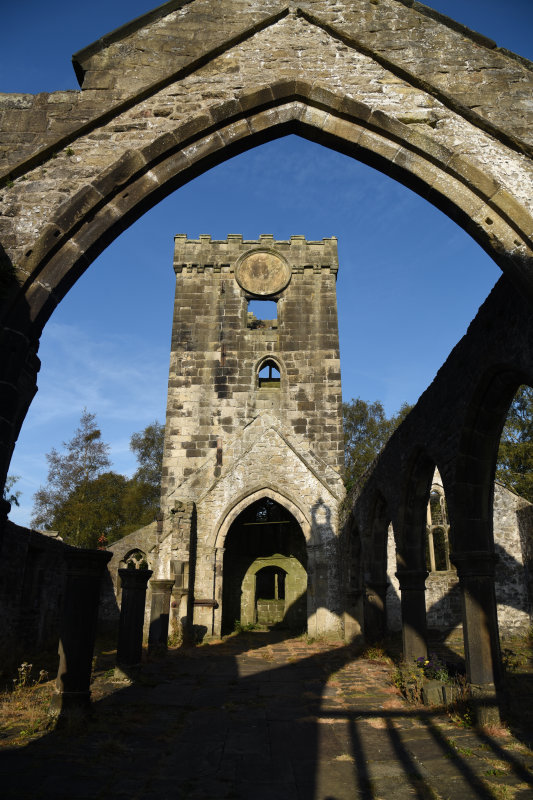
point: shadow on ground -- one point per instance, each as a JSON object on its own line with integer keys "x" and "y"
{"x": 265, "y": 717}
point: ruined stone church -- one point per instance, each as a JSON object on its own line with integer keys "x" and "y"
{"x": 396, "y": 85}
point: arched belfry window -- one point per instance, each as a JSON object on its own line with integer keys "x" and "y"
{"x": 437, "y": 532}
{"x": 268, "y": 376}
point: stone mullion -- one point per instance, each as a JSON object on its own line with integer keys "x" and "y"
{"x": 431, "y": 547}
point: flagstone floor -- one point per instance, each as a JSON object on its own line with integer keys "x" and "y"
{"x": 262, "y": 717}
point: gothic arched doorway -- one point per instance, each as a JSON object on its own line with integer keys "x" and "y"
{"x": 264, "y": 569}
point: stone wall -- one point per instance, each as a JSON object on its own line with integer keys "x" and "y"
{"x": 31, "y": 590}
{"x": 173, "y": 42}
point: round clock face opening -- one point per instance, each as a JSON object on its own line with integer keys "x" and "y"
{"x": 262, "y": 273}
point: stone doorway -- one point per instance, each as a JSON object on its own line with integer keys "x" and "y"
{"x": 265, "y": 569}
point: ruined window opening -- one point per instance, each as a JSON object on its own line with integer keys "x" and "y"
{"x": 437, "y": 533}
{"x": 135, "y": 559}
{"x": 513, "y": 464}
{"x": 269, "y": 375}
{"x": 262, "y": 314}
{"x": 270, "y": 584}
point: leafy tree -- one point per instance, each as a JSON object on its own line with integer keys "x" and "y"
{"x": 141, "y": 497}
{"x": 148, "y": 448}
{"x": 515, "y": 457}
{"x": 11, "y": 497}
{"x": 70, "y": 475}
{"x": 99, "y": 504}
{"x": 366, "y": 430}
{"x": 91, "y": 507}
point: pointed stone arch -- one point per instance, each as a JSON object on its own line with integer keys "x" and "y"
{"x": 81, "y": 227}
{"x": 238, "y": 505}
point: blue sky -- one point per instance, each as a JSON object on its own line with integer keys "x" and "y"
{"x": 409, "y": 282}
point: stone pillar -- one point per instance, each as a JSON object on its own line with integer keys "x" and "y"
{"x": 78, "y": 630}
{"x": 353, "y": 615}
{"x": 179, "y": 624}
{"x": 159, "y": 614}
{"x": 480, "y": 629}
{"x": 375, "y": 611}
{"x": 413, "y": 604}
{"x": 130, "y": 629}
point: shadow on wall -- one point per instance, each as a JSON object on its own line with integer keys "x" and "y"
{"x": 445, "y": 612}
{"x": 31, "y": 590}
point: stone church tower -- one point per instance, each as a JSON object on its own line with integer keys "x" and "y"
{"x": 251, "y": 487}
{"x": 253, "y": 442}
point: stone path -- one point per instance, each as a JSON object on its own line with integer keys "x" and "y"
{"x": 262, "y": 718}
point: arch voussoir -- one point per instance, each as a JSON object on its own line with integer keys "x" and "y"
{"x": 139, "y": 178}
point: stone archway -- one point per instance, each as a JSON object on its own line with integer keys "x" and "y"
{"x": 264, "y": 536}
{"x": 284, "y": 606}
{"x": 142, "y": 126}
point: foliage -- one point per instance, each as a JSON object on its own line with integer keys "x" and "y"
{"x": 366, "y": 431}
{"x": 148, "y": 448}
{"x": 410, "y": 679}
{"x": 91, "y": 507}
{"x": 515, "y": 457}
{"x": 376, "y": 652}
{"x": 11, "y": 497}
{"x": 24, "y": 708}
{"x": 98, "y": 504}
{"x": 434, "y": 668}
{"x": 249, "y": 626}
{"x": 70, "y": 478}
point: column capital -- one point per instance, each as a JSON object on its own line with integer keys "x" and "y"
{"x": 474, "y": 563}
{"x": 412, "y": 579}
{"x": 134, "y": 578}
{"x": 161, "y": 585}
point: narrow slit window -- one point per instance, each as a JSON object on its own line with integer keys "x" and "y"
{"x": 269, "y": 376}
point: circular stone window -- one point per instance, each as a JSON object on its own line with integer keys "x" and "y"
{"x": 262, "y": 273}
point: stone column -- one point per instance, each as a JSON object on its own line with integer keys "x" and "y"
{"x": 78, "y": 630}
{"x": 413, "y": 604}
{"x": 353, "y": 615}
{"x": 375, "y": 619}
{"x": 480, "y": 629}
{"x": 159, "y": 614}
{"x": 130, "y": 629}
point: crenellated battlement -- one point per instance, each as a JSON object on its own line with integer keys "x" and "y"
{"x": 222, "y": 255}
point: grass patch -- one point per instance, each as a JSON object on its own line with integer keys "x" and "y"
{"x": 24, "y": 705}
